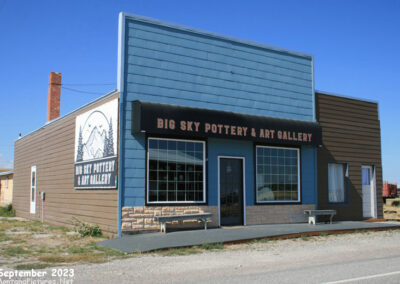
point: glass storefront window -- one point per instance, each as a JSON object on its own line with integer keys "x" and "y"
{"x": 176, "y": 171}
{"x": 278, "y": 177}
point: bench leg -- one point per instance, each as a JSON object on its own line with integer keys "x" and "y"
{"x": 331, "y": 218}
{"x": 204, "y": 223}
{"x": 164, "y": 227}
{"x": 311, "y": 220}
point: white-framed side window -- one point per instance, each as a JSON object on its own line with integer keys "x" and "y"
{"x": 33, "y": 190}
{"x": 336, "y": 182}
{"x": 176, "y": 171}
{"x": 278, "y": 174}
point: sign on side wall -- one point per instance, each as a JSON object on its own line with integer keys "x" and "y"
{"x": 96, "y": 141}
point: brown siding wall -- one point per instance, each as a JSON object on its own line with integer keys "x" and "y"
{"x": 51, "y": 149}
{"x": 351, "y": 134}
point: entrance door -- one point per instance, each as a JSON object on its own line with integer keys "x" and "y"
{"x": 231, "y": 191}
{"x": 368, "y": 192}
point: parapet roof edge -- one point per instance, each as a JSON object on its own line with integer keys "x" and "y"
{"x": 214, "y": 35}
{"x": 72, "y": 112}
{"x": 346, "y": 97}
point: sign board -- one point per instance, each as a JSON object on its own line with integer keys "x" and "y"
{"x": 155, "y": 118}
{"x": 96, "y": 140}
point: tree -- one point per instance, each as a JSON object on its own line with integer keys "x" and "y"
{"x": 79, "y": 152}
{"x": 110, "y": 140}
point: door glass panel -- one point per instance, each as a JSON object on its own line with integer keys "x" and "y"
{"x": 366, "y": 176}
{"x": 231, "y": 191}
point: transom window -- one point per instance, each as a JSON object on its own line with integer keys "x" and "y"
{"x": 278, "y": 178}
{"x": 176, "y": 171}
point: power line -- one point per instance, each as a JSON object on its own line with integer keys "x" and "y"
{"x": 80, "y": 91}
{"x": 93, "y": 84}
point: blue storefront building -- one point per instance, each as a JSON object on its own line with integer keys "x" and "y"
{"x": 210, "y": 123}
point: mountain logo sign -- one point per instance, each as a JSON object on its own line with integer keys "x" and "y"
{"x": 96, "y": 143}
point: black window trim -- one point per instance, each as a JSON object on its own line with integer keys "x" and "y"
{"x": 205, "y": 174}
{"x": 278, "y": 202}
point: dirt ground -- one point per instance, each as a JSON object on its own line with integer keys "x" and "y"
{"x": 32, "y": 245}
{"x": 302, "y": 260}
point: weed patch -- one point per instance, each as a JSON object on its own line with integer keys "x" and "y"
{"x": 86, "y": 229}
{"x": 213, "y": 246}
{"x": 14, "y": 251}
{"x": 7, "y": 211}
{"x": 29, "y": 266}
{"x": 179, "y": 251}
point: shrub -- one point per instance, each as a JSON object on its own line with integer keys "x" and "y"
{"x": 396, "y": 203}
{"x": 7, "y": 211}
{"x": 86, "y": 229}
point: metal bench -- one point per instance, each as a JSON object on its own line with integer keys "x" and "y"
{"x": 312, "y": 215}
{"x": 164, "y": 219}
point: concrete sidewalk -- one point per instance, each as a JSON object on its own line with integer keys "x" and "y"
{"x": 154, "y": 241}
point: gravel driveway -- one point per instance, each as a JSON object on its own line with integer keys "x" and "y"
{"x": 304, "y": 260}
{"x": 238, "y": 263}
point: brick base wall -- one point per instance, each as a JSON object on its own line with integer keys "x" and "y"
{"x": 139, "y": 219}
{"x": 277, "y": 214}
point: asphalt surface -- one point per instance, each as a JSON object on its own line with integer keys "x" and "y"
{"x": 154, "y": 241}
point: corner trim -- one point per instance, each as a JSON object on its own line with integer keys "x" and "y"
{"x": 120, "y": 86}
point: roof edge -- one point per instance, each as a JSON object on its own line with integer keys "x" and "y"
{"x": 6, "y": 173}
{"x": 214, "y": 35}
{"x": 102, "y": 98}
{"x": 346, "y": 97}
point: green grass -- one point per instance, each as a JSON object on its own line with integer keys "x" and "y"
{"x": 305, "y": 237}
{"x": 213, "y": 246}
{"x": 29, "y": 266}
{"x": 14, "y": 251}
{"x": 178, "y": 251}
{"x": 259, "y": 241}
{"x": 7, "y": 211}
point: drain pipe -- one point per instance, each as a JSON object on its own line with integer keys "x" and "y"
{"x": 42, "y": 197}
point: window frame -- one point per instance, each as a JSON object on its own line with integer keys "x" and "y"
{"x": 33, "y": 189}
{"x": 346, "y": 168}
{"x": 205, "y": 170}
{"x": 299, "y": 187}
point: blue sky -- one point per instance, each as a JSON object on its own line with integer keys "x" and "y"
{"x": 355, "y": 45}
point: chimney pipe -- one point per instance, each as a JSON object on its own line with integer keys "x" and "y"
{"x": 53, "y": 100}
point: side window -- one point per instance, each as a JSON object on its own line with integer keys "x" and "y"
{"x": 33, "y": 190}
{"x": 336, "y": 182}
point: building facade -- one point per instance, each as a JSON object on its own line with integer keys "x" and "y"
{"x": 6, "y": 187}
{"x": 200, "y": 123}
{"x": 210, "y": 87}
{"x": 349, "y": 163}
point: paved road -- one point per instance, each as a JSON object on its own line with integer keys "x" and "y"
{"x": 352, "y": 258}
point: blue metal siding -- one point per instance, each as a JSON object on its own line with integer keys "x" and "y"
{"x": 178, "y": 67}
{"x": 174, "y": 66}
